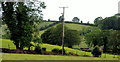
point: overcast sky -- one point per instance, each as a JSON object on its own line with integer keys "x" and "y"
{"x": 85, "y": 10}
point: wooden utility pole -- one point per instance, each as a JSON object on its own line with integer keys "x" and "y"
{"x": 63, "y": 30}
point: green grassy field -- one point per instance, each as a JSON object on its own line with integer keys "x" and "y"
{"x": 49, "y": 47}
{"x": 6, "y": 43}
{"x": 44, "y": 24}
{"x": 6, "y": 56}
{"x": 79, "y": 27}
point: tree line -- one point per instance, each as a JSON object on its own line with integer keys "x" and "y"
{"x": 108, "y": 35}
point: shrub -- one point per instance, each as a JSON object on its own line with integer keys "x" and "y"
{"x": 56, "y": 50}
{"x": 44, "y": 49}
{"x": 60, "y": 51}
{"x": 96, "y": 51}
{"x": 38, "y": 49}
{"x": 71, "y": 53}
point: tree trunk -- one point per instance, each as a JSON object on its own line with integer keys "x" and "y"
{"x": 29, "y": 48}
{"x": 105, "y": 45}
{"x": 17, "y": 45}
{"x": 21, "y": 46}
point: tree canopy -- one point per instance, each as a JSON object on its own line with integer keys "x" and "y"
{"x": 112, "y": 22}
{"x": 75, "y": 19}
{"x": 54, "y": 36}
{"x": 20, "y": 19}
{"x": 61, "y": 18}
{"x": 98, "y": 20}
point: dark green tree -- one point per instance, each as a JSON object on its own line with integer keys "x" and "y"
{"x": 48, "y": 19}
{"x": 8, "y": 18}
{"x": 20, "y": 21}
{"x": 24, "y": 27}
{"x": 72, "y": 37}
{"x": 112, "y": 22}
{"x": 94, "y": 38}
{"x": 61, "y": 18}
{"x": 81, "y": 21}
{"x": 75, "y": 19}
{"x": 108, "y": 23}
{"x": 96, "y": 51}
{"x": 98, "y": 37}
{"x": 114, "y": 41}
{"x": 98, "y": 20}
{"x": 54, "y": 36}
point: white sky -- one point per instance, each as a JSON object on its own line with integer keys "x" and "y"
{"x": 85, "y": 10}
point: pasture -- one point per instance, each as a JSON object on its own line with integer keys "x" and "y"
{"x": 49, "y": 47}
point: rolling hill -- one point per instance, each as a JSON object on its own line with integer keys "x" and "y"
{"x": 49, "y": 47}
{"x": 74, "y": 26}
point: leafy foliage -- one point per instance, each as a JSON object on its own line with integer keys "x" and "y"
{"x": 20, "y": 20}
{"x": 96, "y": 37}
{"x": 96, "y": 51}
{"x": 5, "y": 32}
{"x": 114, "y": 41}
{"x": 112, "y": 22}
{"x": 38, "y": 49}
{"x": 60, "y": 51}
{"x": 98, "y": 20}
{"x": 56, "y": 50}
{"x": 54, "y": 36}
{"x": 75, "y": 19}
{"x": 61, "y": 18}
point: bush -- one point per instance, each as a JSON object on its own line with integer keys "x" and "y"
{"x": 96, "y": 51}
{"x": 56, "y": 50}
{"x": 60, "y": 51}
{"x": 44, "y": 49}
{"x": 38, "y": 49}
{"x": 71, "y": 53}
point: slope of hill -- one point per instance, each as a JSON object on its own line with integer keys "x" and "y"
{"x": 49, "y": 47}
{"x": 72, "y": 25}
{"x": 78, "y": 27}
{"x": 46, "y": 25}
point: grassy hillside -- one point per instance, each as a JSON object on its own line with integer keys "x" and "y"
{"x": 79, "y": 27}
{"x": 44, "y": 24}
{"x": 49, "y": 47}
{"x": 7, "y": 44}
